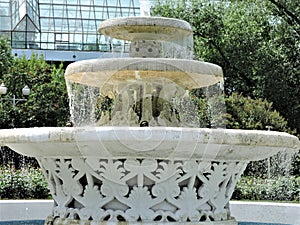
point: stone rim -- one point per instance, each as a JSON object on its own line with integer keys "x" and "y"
{"x": 187, "y": 73}
{"x": 217, "y": 144}
{"x": 142, "y": 28}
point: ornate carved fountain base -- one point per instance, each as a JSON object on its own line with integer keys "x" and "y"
{"x": 95, "y": 191}
{"x": 59, "y": 221}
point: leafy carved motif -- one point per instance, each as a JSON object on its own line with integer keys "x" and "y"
{"x": 141, "y": 189}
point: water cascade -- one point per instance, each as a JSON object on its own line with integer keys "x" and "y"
{"x": 138, "y": 156}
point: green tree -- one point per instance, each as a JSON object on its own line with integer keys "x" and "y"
{"x": 285, "y": 46}
{"x": 6, "y": 57}
{"x": 47, "y": 104}
{"x": 255, "y": 42}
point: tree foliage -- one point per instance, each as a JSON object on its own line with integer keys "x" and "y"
{"x": 258, "y": 114}
{"x": 257, "y": 44}
{"x": 6, "y": 57}
{"x": 47, "y": 104}
{"x": 253, "y": 114}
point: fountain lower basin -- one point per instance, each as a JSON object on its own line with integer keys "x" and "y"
{"x": 139, "y": 175}
{"x": 155, "y": 142}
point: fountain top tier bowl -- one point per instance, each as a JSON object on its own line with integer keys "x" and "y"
{"x": 151, "y": 38}
{"x": 145, "y": 28}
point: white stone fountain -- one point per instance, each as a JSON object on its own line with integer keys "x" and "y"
{"x": 169, "y": 171}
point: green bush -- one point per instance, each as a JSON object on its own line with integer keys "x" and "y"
{"x": 253, "y": 114}
{"x": 275, "y": 189}
{"x": 26, "y": 183}
{"x": 258, "y": 114}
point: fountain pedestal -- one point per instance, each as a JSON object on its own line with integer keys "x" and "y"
{"x": 141, "y": 190}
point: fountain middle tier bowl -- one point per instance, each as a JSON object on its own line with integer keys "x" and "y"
{"x": 112, "y": 71}
{"x": 148, "y": 142}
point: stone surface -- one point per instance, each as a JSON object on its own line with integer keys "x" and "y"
{"x": 149, "y": 142}
{"x": 59, "y": 221}
{"x": 266, "y": 212}
{"x": 145, "y": 28}
{"x": 108, "y": 72}
{"x": 262, "y": 212}
{"x": 141, "y": 190}
{"x": 146, "y": 49}
{"x": 130, "y": 175}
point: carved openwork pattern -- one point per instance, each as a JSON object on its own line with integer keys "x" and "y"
{"x": 141, "y": 189}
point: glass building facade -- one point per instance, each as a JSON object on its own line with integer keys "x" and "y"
{"x": 62, "y": 25}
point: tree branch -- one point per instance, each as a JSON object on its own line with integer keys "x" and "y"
{"x": 241, "y": 75}
{"x": 293, "y": 18}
